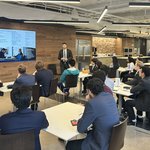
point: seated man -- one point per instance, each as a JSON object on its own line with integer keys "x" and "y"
{"x": 102, "y": 76}
{"x": 142, "y": 96}
{"x": 70, "y": 71}
{"x": 100, "y": 115}
{"x": 94, "y": 66}
{"x": 136, "y": 77}
{"x": 23, "y": 78}
{"x": 109, "y": 82}
{"x": 24, "y": 118}
{"x": 43, "y": 78}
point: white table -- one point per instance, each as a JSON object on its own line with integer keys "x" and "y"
{"x": 121, "y": 91}
{"x": 81, "y": 77}
{"x": 147, "y": 64}
{"x": 4, "y": 88}
{"x": 122, "y": 69}
{"x": 59, "y": 118}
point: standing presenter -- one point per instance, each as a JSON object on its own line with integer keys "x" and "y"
{"x": 64, "y": 55}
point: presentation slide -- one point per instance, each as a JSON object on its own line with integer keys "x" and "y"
{"x": 17, "y": 45}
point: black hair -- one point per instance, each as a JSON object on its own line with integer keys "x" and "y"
{"x": 146, "y": 71}
{"x": 71, "y": 62}
{"x": 21, "y": 97}
{"x": 130, "y": 59}
{"x": 105, "y": 69}
{"x": 95, "y": 85}
{"x": 100, "y": 74}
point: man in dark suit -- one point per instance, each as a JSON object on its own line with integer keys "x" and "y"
{"x": 43, "y": 78}
{"x": 23, "y": 78}
{"x": 64, "y": 55}
{"x": 142, "y": 96}
{"x": 24, "y": 118}
{"x": 99, "y": 116}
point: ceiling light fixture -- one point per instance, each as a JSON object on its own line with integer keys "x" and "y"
{"x": 101, "y": 30}
{"x": 47, "y": 1}
{"x": 130, "y": 24}
{"x": 56, "y": 22}
{"x": 102, "y": 14}
{"x": 139, "y": 4}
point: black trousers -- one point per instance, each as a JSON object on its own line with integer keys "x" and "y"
{"x": 129, "y": 104}
{"x": 85, "y": 81}
{"x": 63, "y": 66}
{"x": 74, "y": 145}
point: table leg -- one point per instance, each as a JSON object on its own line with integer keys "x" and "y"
{"x": 80, "y": 86}
{"x": 120, "y": 103}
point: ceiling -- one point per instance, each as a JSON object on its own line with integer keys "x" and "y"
{"x": 86, "y": 10}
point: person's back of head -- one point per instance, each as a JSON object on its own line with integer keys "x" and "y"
{"x": 22, "y": 69}
{"x": 39, "y": 65}
{"x": 95, "y": 85}
{"x": 71, "y": 62}
{"x": 21, "y": 97}
{"x": 100, "y": 74}
{"x": 146, "y": 71}
{"x": 139, "y": 63}
{"x": 130, "y": 59}
{"x": 105, "y": 69}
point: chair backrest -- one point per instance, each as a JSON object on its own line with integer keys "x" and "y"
{"x": 53, "y": 87}
{"x": 35, "y": 93}
{"x": 71, "y": 81}
{"x": 117, "y": 136}
{"x": 21, "y": 141}
{"x": 53, "y": 68}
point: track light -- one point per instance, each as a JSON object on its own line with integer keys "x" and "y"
{"x": 130, "y": 24}
{"x": 102, "y": 30}
{"x": 56, "y": 22}
{"x": 47, "y": 1}
{"x": 102, "y": 14}
{"x": 139, "y": 4}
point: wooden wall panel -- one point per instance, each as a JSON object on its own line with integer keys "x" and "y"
{"x": 49, "y": 39}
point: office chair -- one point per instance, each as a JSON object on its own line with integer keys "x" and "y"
{"x": 71, "y": 82}
{"x": 18, "y": 141}
{"x": 117, "y": 136}
{"x": 35, "y": 96}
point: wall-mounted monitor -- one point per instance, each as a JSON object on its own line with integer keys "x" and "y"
{"x": 17, "y": 45}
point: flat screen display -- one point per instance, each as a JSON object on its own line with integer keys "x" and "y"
{"x": 17, "y": 45}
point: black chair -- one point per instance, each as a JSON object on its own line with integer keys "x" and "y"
{"x": 35, "y": 96}
{"x": 71, "y": 82}
{"x": 19, "y": 141}
{"x": 53, "y": 68}
{"x": 117, "y": 136}
{"x": 52, "y": 89}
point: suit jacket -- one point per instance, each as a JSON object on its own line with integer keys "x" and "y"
{"x": 135, "y": 80}
{"x": 24, "y": 80}
{"x": 23, "y": 120}
{"x": 142, "y": 94}
{"x": 102, "y": 113}
{"x": 43, "y": 78}
{"x": 69, "y": 55}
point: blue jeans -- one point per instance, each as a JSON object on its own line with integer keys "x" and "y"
{"x": 62, "y": 87}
